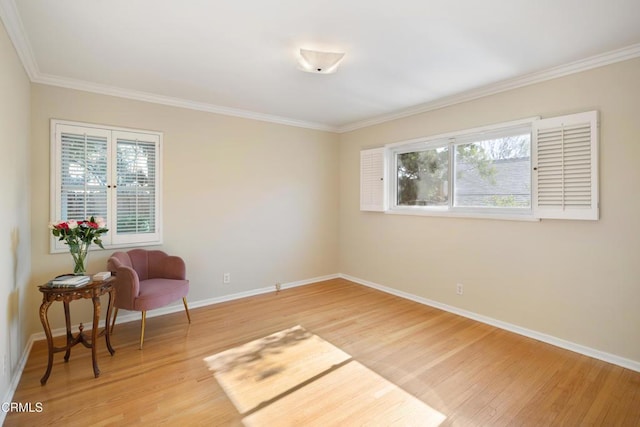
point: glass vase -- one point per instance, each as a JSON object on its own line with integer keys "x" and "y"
{"x": 79, "y": 255}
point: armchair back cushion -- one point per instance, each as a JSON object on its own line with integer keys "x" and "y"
{"x": 147, "y": 279}
{"x": 152, "y": 264}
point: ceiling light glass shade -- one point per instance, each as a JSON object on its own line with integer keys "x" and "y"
{"x": 314, "y": 61}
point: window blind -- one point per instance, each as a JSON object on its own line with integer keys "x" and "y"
{"x": 84, "y": 176}
{"x": 107, "y": 172}
{"x": 136, "y": 189}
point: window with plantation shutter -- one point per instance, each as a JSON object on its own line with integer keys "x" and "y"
{"x": 526, "y": 169}
{"x": 565, "y": 167}
{"x": 83, "y": 177}
{"x": 110, "y": 173}
{"x": 137, "y": 184}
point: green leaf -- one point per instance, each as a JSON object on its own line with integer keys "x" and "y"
{"x": 98, "y": 242}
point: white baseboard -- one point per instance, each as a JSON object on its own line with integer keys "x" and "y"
{"x": 549, "y": 339}
{"x": 130, "y": 316}
{"x": 125, "y": 316}
{"x": 253, "y": 292}
{"x": 133, "y": 316}
{"x": 15, "y": 379}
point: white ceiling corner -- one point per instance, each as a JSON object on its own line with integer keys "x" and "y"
{"x": 403, "y": 57}
{"x": 13, "y": 24}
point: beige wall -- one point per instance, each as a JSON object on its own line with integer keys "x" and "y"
{"x": 255, "y": 199}
{"x": 271, "y": 203}
{"x": 14, "y": 209}
{"x": 578, "y": 281}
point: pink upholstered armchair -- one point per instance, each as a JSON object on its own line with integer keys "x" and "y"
{"x": 146, "y": 280}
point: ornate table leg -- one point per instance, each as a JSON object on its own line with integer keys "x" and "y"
{"x": 107, "y": 321}
{"x": 67, "y": 319}
{"x": 47, "y": 331}
{"x": 94, "y": 334}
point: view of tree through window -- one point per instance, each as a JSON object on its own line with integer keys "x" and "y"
{"x": 493, "y": 173}
{"x": 423, "y": 178}
{"x": 487, "y": 173}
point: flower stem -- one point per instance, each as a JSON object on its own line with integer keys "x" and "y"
{"x": 80, "y": 258}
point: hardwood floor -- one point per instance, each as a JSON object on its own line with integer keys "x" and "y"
{"x": 472, "y": 373}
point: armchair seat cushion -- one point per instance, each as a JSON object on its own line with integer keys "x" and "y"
{"x": 155, "y": 293}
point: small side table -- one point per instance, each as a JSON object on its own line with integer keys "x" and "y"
{"x": 93, "y": 290}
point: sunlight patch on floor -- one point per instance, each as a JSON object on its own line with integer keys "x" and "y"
{"x": 294, "y": 377}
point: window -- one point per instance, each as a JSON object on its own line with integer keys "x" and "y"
{"x": 422, "y": 177}
{"x": 493, "y": 172}
{"x": 110, "y": 173}
{"x": 136, "y": 177}
{"x": 528, "y": 169}
{"x": 485, "y": 171}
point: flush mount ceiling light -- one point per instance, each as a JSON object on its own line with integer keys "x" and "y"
{"x": 313, "y": 61}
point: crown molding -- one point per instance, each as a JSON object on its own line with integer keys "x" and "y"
{"x": 618, "y": 55}
{"x": 85, "y": 86}
{"x": 12, "y": 22}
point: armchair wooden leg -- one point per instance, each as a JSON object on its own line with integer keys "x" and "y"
{"x": 144, "y": 316}
{"x": 186, "y": 308}
{"x": 113, "y": 322}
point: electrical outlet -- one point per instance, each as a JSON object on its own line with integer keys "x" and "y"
{"x": 278, "y": 287}
{"x": 459, "y": 289}
{"x": 226, "y": 278}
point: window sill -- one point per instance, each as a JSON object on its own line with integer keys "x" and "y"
{"x": 65, "y": 249}
{"x": 527, "y": 217}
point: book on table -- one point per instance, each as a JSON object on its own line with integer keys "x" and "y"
{"x": 70, "y": 280}
{"x": 101, "y": 276}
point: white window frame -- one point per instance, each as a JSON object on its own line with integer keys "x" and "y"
{"x": 413, "y": 146}
{"x": 451, "y": 140}
{"x": 111, "y": 240}
{"x": 580, "y": 194}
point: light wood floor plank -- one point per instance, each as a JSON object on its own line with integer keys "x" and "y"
{"x": 472, "y": 373}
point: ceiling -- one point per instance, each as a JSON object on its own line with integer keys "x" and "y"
{"x": 239, "y": 57}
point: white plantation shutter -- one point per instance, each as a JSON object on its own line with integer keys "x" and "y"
{"x": 372, "y": 190}
{"x": 565, "y": 167}
{"x": 110, "y": 173}
{"x": 137, "y": 187}
{"x": 80, "y": 175}
{"x": 83, "y": 177}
